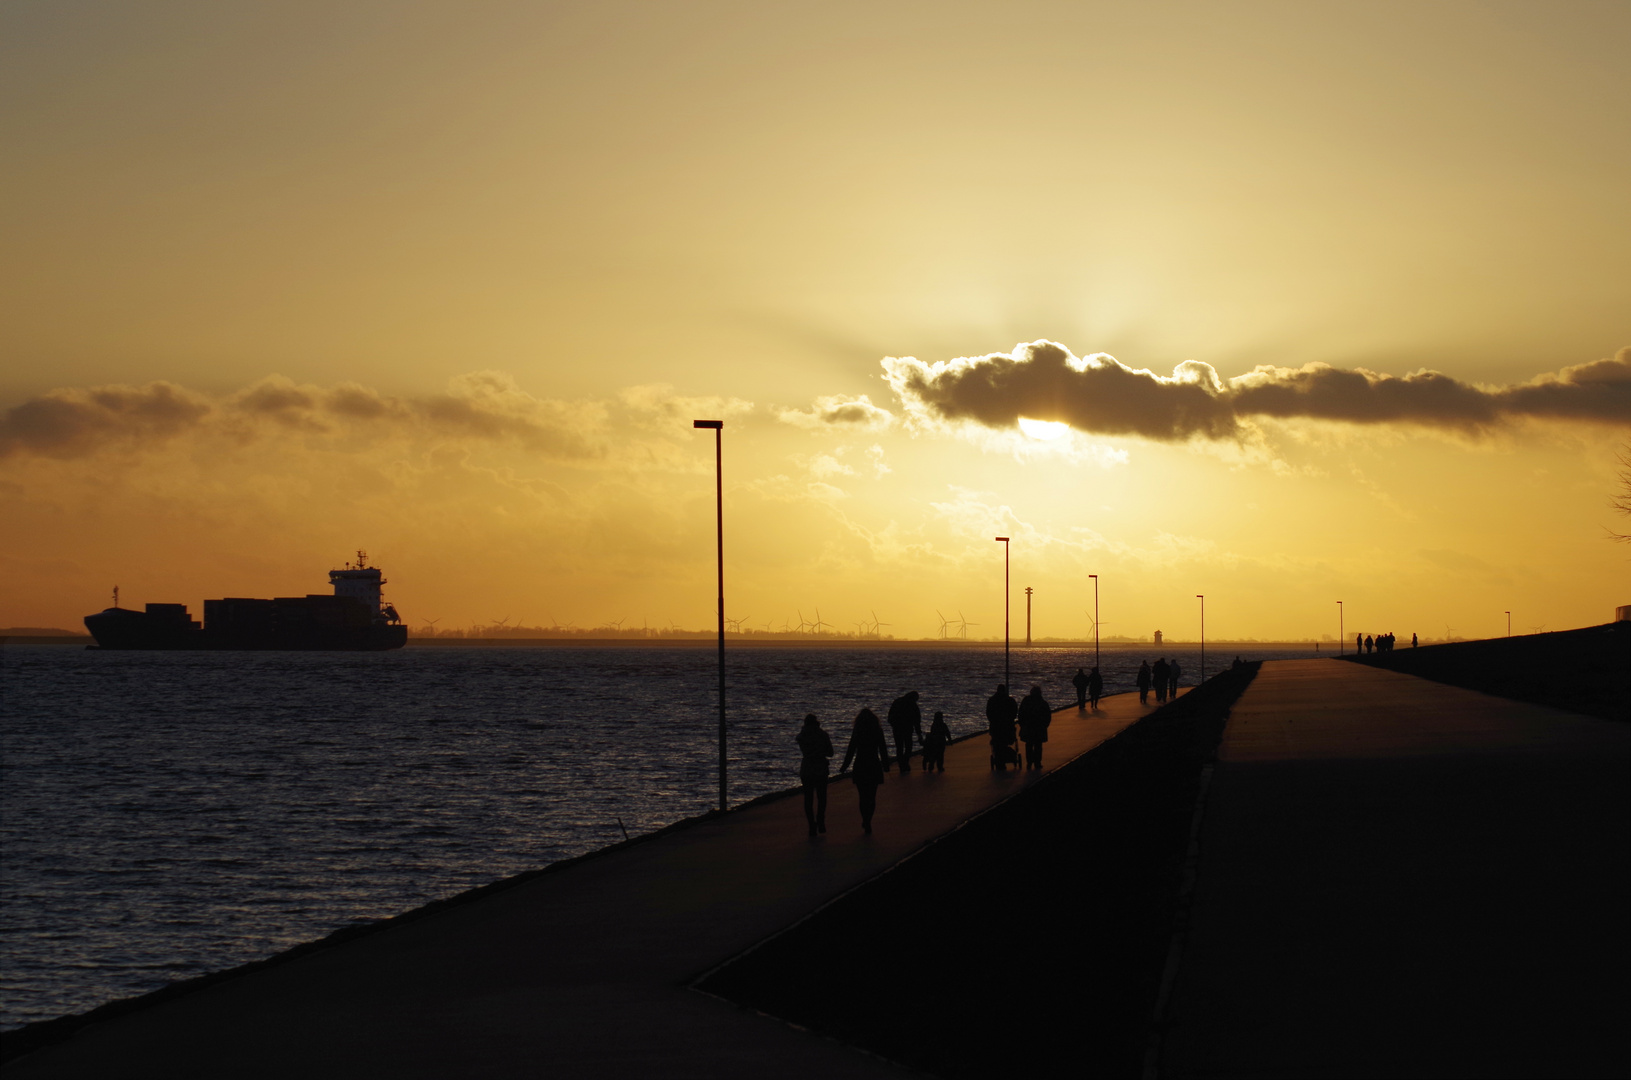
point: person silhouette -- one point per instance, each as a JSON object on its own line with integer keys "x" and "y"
{"x": 1000, "y": 712}
{"x": 1359, "y": 643}
{"x": 1144, "y": 683}
{"x": 934, "y": 746}
{"x": 814, "y": 750}
{"x": 1095, "y": 688}
{"x": 1370, "y": 645}
{"x": 870, "y": 755}
{"x": 1412, "y": 641}
{"x": 1080, "y": 682}
{"x": 905, "y": 720}
{"x": 1158, "y": 676}
{"x": 1034, "y": 717}
{"x": 1173, "y": 671}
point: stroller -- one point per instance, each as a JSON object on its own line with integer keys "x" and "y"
{"x": 1004, "y": 754}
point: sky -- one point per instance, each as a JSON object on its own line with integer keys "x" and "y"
{"x": 1282, "y": 304}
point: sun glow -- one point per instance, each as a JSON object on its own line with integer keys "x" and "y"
{"x": 1046, "y": 430}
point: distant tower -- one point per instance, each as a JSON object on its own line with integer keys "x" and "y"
{"x": 1158, "y": 637}
{"x": 1027, "y": 614}
{"x": 361, "y": 581}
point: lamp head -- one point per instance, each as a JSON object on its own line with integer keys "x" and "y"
{"x": 715, "y": 424}
{"x": 1002, "y": 539}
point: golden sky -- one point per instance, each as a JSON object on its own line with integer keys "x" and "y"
{"x": 1330, "y": 298}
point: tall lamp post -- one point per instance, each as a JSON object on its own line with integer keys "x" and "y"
{"x": 1342, "y": 633}
{"x": 1028, "y": 617}
{"x": 718, "y": 427}
{"x": 1095, "y": 578}
{"x": 1202, "y": 599}
{"x": 1006, "y": 678}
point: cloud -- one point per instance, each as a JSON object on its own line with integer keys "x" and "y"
{"x": 484, "y": 406}
{"x": 839, "y": 411}
{"x": 1042, "y": 380}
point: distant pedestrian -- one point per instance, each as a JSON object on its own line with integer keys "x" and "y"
{"x": 934, "y": 746}
{"x": 1034, "y": 717}
{"x": 1095, "y": 688}
{"x": 1144, "y": 683}
{"x": 905, "y": 720}
{"x": 1001, "y": 710}
{"x": 1370, "y": 645}
{"x": 1412, "y": 641}
{"x": 1158, "y": 674}
{"x": 1359, "y": 643}
{"x": 1173, "y": 671}
{"x": 1080, "y": 682}
{"x": 870, "y": 755}
{"x": 814, "y": 749}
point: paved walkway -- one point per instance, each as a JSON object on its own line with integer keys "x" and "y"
{"x": 576, "y": 973}
{"x": 1403, "y": 878}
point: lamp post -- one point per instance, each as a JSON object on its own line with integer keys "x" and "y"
{"x": 1342, "y": 633}
{"x": 1006, "y": 679}
{"x": 1095, "y": 578}
{"x": 718, "y": 427}
{"x": 1202, "y": 599}
{"x": 1028, "y": 616}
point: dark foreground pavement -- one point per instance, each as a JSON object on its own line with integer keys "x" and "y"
{"x": 581, "y": 972}
{"x": 1403, "y": 878}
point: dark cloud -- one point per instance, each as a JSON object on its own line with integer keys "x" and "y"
{"x": 1099, "y": 394}
{"x": 486, "y": 406}
{"x": 839, "y": 411}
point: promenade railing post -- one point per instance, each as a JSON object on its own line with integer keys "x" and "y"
{"x": 718, "y": 427}
{"x": 1007, "y": 671}
{"x": 1342, "y": 631}
{"x": 1202, "y": 599}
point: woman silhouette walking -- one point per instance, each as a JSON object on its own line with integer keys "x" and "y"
{"x": 870, "y": 753}
{"x": 814, "y": 749}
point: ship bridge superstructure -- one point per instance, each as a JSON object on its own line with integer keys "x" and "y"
{"x": 364, "y": 583}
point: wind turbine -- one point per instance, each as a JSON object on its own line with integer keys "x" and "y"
{"x": 962, "y": 626}
{"x": 876, "y": 632}
{"x": 818, "y": 624}
{"x": 945, "y": 624}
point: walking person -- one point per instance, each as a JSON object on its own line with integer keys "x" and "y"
{"x": 934, "y": 747}
{"x": 1095, "y": 688}
{"x": 905, "y": 720}
{"x": 814, "y": 750}
{"x": 1158, "y": 674}
{"x": 1080, "y": 682}
{"x": 870, "y": 754}
{"x": 1144, "y": 682}
{"x": 1034, "y": 717}
{"x": 1173, "y": 671}
{"x": 1000, "y": 712}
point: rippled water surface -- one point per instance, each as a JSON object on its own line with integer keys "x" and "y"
{"x": 167, "y": 814}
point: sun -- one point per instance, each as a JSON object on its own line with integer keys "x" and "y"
{"x": 1046, "y": 430}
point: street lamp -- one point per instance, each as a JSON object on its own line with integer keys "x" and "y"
{"x": 1006, "y": 679}
{"x": 718, "y": 427}
{"x": 1202, "y": 599}
{"x": 1095, "y": 578}
{"x": 1342, "y": 633}
{"x": 1028, "y": 616}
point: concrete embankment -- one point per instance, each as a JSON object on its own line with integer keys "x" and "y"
{"x": 1032, "y": 940}
{"x": 1586, "y": 670}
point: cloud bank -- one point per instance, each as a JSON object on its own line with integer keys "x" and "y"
{"x": 1042, "y": 380}
{"x": 482, "y": 406}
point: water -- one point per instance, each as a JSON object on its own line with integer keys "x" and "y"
{"x": 163, "y": 815}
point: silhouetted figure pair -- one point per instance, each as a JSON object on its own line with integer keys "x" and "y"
{"x": 870, "y": 755}
{"x": 1001, "y": 710}
{"x": 814, "y": 750}
{"x": 1095, "y": 688}
{"x": 1144, "y": 683}
{"x": 905, "y": 720}
{"x": 1080, "y": 683}
{"x": 1158, "y": 673}
{"x": 934, "y": 745}
{"x": 1034, "y": 717}
{"x": 1173, "y": 671}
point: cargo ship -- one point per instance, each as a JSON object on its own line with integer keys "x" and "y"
{"x": 355, "y": 617}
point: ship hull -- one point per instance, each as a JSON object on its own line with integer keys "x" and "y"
{"x": 133, "y": 630}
